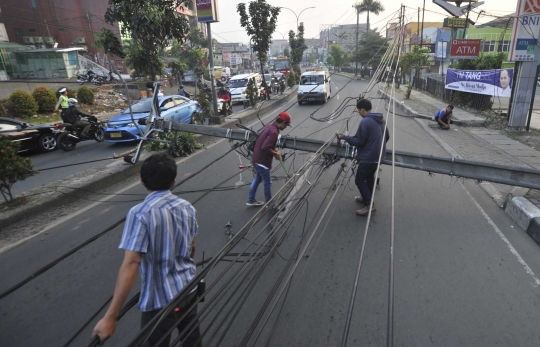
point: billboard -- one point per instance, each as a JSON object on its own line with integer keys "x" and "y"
{"x": 465, "y": 49}
{"x": 496, "y": 83}
{"x": 526, "y": 29}
{"x": 207, "y": 11}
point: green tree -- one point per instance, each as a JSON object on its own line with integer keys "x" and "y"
{"x": 338, "y": 56}
{"x": 287, "y": 53}
{"x": 110, "y": 43}
{"x": 417, "y": 58}
{"x": 207, "y": 112}
{"x": 367, "y": 6}
{"x": 371, "y": 48}
{"x": 330, "y": 60}
{"x": 298, "y": 45}
{"x": 260, "y": 24}
{"x": 252, "y": 92}
{"x": 312, "y": 59}
{"x": 151, "y": 24}
{"x": 13, "y": 168}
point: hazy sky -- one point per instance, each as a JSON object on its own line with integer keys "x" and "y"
{"x": 338, "y": 12}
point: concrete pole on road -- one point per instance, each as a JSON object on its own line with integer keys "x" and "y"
{"x": 212, "y": 79}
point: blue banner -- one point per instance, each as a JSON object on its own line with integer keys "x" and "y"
{"x": 496, "y": 83}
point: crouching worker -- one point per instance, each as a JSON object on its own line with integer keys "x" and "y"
{"x": 444, "y": 117}
{"x": 159, "y": 241}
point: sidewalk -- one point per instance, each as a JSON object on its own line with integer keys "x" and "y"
{"x": 478, "y": 143}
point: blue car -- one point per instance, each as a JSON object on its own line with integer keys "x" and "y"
{"x": 121, "y": 128}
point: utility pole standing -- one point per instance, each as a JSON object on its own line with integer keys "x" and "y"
{"x": 422, "y": 32}
{"x": 356, "y": 50}
{"x": 212, "y": 78}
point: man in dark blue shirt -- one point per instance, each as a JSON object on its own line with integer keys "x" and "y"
{"x": 368, "y": 140}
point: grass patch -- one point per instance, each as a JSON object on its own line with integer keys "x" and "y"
{"x": 44, "y": 118}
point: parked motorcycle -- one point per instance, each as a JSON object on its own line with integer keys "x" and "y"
{"x": 71, "y": 135}
{"x": 96, "y": 80}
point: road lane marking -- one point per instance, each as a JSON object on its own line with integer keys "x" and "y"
{"x": 498, "y": 231}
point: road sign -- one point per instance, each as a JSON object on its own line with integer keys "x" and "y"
{"x": 452, "y": 22}
{"x": 465, "y": 49}
{"x": 526, "y": 30}
{"x": 207, "y": 11}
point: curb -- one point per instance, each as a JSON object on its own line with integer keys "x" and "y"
{"x": 436, "y": 137}
{"x": 409, "y": 112}
{"x": 521, "y": 210}
{"x": 102, "y": 177}
{"x": 525, "y": 214}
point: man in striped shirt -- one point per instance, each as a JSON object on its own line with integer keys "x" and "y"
{"x": 159, "y": 241}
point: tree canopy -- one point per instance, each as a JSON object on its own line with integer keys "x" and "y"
{"x": 371, "y": 48}
{"x": 150, "y": 24}
{"x": 298, "y": 45}
{"x": 259, "y": 20}
{"x": 367, "y": 6}
{"x": 337, "y": 56}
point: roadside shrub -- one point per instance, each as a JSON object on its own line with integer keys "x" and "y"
{"x": 85, "y": 95}
{"x": 22, "y": 103}
{"x": 181, "y": 144}
{"x": 251, "y": 92}
{"x": 207, "y": 112}
{"x": 3, "y": 110}
{"x": 45, "y": 99}
{"x": 13, "y": 168}
{"x": 291, "y": 79}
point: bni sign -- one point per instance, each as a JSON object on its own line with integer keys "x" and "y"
{"x": 525, "y": 31}
{"x": 465, "y": 49}
{"x": 207, "y": 11}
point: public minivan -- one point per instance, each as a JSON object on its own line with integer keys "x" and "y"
{"x": 221, "y": 71}
{"x": 314, "y": 86}
{"x": 238, "y": 85}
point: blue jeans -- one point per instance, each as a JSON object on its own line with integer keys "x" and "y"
{"x": 365, "y": 180}
{"x": 261, "y": 174}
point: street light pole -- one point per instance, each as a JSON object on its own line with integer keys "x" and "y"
{"x": 297, "y": 16}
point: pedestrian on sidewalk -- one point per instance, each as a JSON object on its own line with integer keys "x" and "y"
{"x": 444, "y": 117}
{"x": 368, "y": 141}
{"x": 263, "y": 152}
{"x": 159, "y": 241}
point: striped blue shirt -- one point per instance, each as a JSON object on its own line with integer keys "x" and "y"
{"x": 162, "y": 227}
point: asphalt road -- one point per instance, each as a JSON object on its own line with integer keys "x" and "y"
{"x": 465, "y": 274}
{"x": 84, "y": 151}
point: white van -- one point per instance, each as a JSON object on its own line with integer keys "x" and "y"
{"x": 238, "y": 85}
{"x": 314, "y": 86}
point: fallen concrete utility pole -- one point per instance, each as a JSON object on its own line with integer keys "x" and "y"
{"x": 516, "y": 176}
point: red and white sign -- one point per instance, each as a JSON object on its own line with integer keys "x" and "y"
{"x": 525, "y": 31}
{"x": 465, "y": 49}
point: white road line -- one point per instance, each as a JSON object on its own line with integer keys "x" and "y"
{"x": 498, "y": 231}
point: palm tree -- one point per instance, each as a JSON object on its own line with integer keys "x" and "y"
{"x": 368, "y": 6}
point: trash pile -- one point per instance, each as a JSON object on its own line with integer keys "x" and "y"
{"x": 112, "y": 100}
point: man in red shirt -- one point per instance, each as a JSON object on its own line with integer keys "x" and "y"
{"x": 264, "y": 151}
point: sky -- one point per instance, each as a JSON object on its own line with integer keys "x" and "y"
{"x": 339, "y": 12}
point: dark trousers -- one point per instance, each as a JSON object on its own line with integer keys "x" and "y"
{"x": 365, "y": 180}
{"x": 444, "y": 119}
{"x": 170, "y": 321}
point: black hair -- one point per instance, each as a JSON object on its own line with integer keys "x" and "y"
{"x": 451, "y": 106}
{"x": 279, "y": 120}
{"x": 158, "y": 172}
{"x": 364, "y": 104}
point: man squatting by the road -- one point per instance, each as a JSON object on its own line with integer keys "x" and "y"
{"x": 159, "y": 240}
{"x": 368, "y": 141}
{"x": 443, "y": 117}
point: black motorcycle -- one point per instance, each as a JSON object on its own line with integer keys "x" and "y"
{"x": 71, "y": 135}
{"x": 95, "y": 80}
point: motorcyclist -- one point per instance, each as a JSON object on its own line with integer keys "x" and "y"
{"x": 225, "y": 95}
{"x": 73, "y": 116}
{"x": 183, "y": 92}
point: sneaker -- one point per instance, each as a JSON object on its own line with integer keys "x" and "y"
{"x": 254, "y": 203}
{"x": 359, "y": 199}
{"x": 364, "y": 211}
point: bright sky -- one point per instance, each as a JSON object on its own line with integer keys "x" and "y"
{"x": 339, "y": 12}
